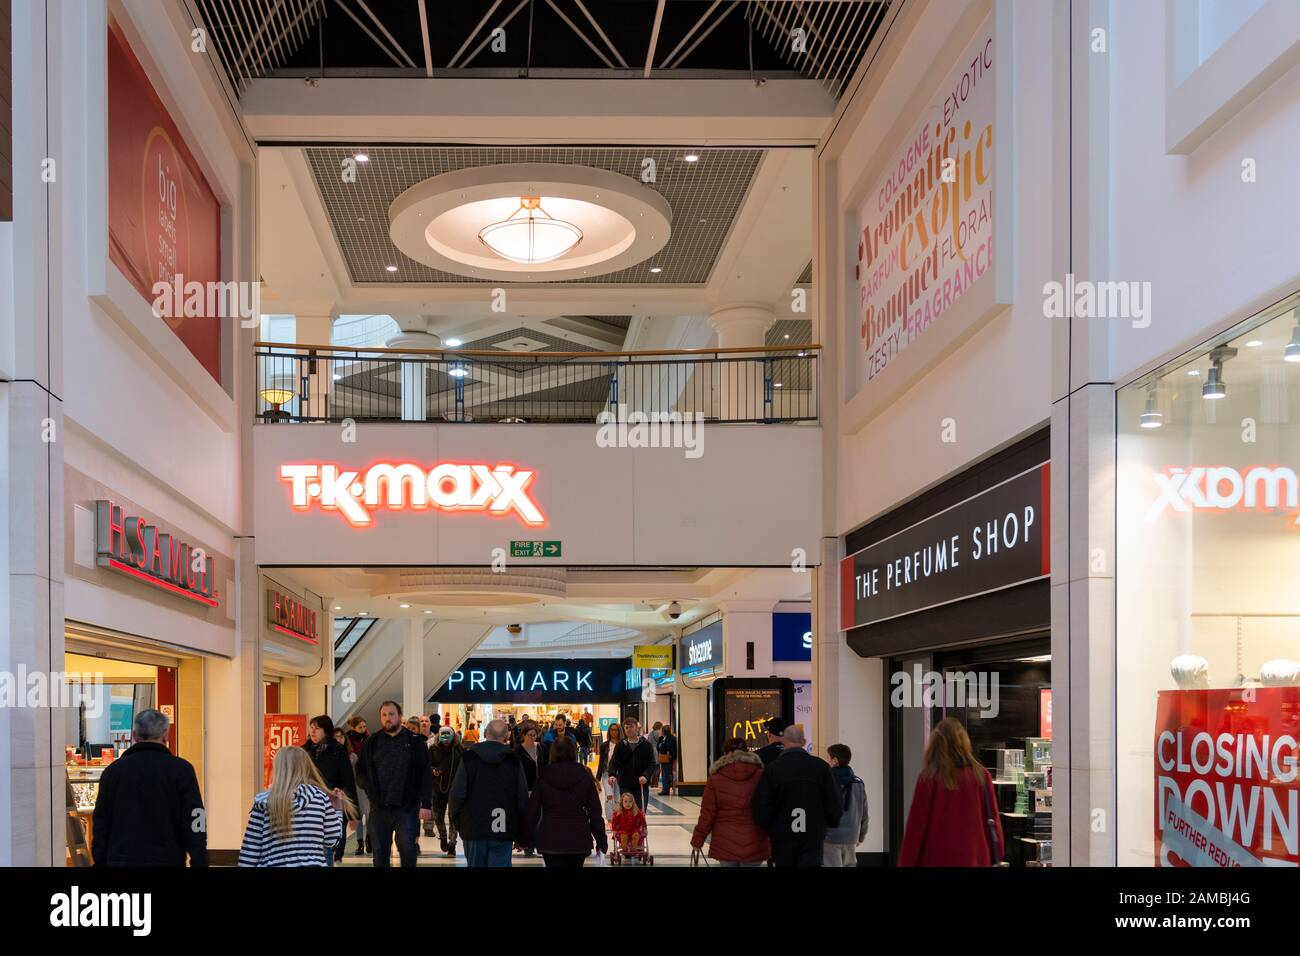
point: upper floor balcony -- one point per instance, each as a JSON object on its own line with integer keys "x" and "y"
{"x": 311, "y": 383}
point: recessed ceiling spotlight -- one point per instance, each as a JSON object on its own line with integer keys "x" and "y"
{"x": 1194, "y": 371}
{"x": 428, "y": 612}
{"x": 453, "y": 343}
{"x": 391, "y": 268}
{"x": 692, "y": 157}
{"x": 777, "y": 385}
{"x": 656, "y": 269}
{"x": 362, "y": 157}
{"x": 403, "y": 605}
{"x": 338, "y": 607}
{"x": 1254, "y": 344}
{"x": 338, "y": 377}
{"x": 786, "y": 336}
{"x": 362, "y": 613}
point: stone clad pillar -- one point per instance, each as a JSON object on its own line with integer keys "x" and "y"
{"x": 740, "y": 377}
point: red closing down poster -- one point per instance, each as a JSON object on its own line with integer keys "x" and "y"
{"x": 1226, "y": 763}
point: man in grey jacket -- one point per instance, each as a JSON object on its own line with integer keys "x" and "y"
{"x": 841, "y": 845}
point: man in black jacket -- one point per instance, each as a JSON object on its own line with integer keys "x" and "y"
{"x": 633, "y": 762}
{"x": 393, "y": 769}
{"x": 796, "y": 801}
{"x": 149, "y": 811}
{"x": 445, "y": 754}
{"x": 775, "y": 727}
{"x": 488, "y": 798}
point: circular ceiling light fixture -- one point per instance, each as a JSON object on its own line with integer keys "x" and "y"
{"x": 362, "y": 157}
{"x": 530, "y": 234}
{"x": 530, "y": 222}
{"x": 453, "y": 343}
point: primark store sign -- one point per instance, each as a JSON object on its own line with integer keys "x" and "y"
{"x": 994, "y": 540}
{"x": 518, "y": 680}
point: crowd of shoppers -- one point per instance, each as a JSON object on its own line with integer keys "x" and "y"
{"x": 521, "y": 789}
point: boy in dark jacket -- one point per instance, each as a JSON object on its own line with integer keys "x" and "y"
{"x": 796, "y": 801}
{"x": 489, "y": 797}
{"x": 149, "y": 811}
{"x": 394, "y": 771}
{"x": 633, "y": 762}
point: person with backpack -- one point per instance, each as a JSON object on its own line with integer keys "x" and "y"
{"x": 953, "y": 820}
{"x": 796, "y": 802}
{"x": 489, "y": 797}
{"x": 841, "y": 845}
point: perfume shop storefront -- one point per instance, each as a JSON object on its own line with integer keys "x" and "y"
{"x": 144, "y": 616}
{"x": 952, "y": 591}
{"x": 1208, "y": 613}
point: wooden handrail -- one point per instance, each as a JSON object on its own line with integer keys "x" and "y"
{"x": 492, "y": 353}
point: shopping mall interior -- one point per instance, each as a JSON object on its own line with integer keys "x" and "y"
{"x": 857, "y": 364}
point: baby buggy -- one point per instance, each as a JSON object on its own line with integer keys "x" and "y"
{"x": 637, "y": 853}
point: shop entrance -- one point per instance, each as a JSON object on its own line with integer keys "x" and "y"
{"x": 1002, "y": 694}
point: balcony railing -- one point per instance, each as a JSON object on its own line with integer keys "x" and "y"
{"x": 309, "y": 383}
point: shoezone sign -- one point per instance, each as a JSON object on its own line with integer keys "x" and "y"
{"x": 356, "y": 494}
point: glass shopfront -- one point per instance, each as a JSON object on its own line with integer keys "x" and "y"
{"x": 1207, "y": 612}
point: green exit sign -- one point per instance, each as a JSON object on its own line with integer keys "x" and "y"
{"x": 535, "y": 549}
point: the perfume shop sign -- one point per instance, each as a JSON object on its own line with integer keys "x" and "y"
{"x": 994, "y": 540}
{"x": 131, "y": 545}
{"x": 289, "y": 616}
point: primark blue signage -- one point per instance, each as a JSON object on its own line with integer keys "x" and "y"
{"x": 534, "y": 680}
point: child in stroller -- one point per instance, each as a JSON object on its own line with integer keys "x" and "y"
{"x": 630, "y": 834}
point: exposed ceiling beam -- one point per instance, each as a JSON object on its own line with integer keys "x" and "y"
{"x": 702, "y": 37}
{"x": 601, "y": 33}
{"x": 691, "y": 32}
{"x": 585, "y": 39}
{"x": 654, "y": 38}
{"x": 365, "y": 29}
{"x": 473, "y": 33}
{"x": 502, "y": 25}
{"x": 391, "y": 39}
{"x": 424, "y": 35}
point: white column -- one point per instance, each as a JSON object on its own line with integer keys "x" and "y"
{"x": 743, "y": 623}
{"x": 415, "y": 402}
{"x": 413, "y": 669}
{"x": 32, "y": 831}
{"x": 740, "y": 377}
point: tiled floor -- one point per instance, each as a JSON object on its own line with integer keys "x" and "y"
{"x": 670, "y": 821}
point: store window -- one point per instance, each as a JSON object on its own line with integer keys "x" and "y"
{"x": 1208, "y": 615}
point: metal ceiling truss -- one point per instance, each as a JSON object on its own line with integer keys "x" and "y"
{"x": 823, "y": 40}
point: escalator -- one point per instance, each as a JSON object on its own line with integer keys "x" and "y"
{"x": 348, "y": 632}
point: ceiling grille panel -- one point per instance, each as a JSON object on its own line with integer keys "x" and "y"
{"x": 705, "y": 197}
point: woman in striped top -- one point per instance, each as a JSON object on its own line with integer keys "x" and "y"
{"x": 299, "y": 820}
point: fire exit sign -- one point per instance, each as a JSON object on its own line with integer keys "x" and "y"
{"x": 535, "y": 549}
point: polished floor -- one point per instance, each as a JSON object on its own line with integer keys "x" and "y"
{"x": 670, "y": 821}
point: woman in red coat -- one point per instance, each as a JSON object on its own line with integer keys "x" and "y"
{"x": 948, "y": 824}
{"x": 727, "y": 810}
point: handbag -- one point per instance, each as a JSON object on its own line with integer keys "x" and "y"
{"x": 665, "y": 758}
{"x": 990, "y": 824}
{"x": 698, "y": 858}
